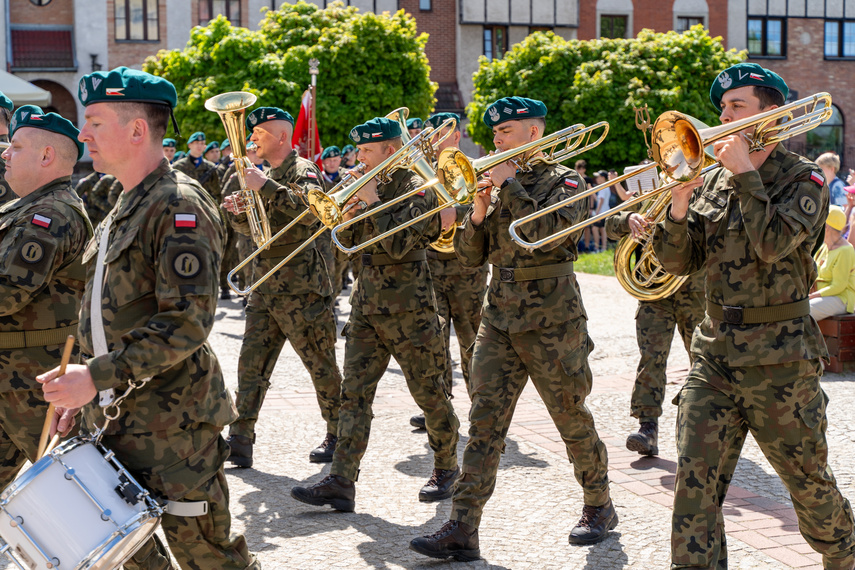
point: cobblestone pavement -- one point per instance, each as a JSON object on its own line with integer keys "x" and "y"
{"x": 536, "y": 502}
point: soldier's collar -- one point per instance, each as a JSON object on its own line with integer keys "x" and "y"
{"x": 280, "y": 171}
{"x": 771, "y": 168}
{"x": 41, "y": 191}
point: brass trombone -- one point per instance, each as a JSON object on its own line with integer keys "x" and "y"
{"x": 678, "y": 148}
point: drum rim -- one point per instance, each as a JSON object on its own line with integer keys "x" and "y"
{"x": 115, "y": 538}
{"x": 40, "y": 466}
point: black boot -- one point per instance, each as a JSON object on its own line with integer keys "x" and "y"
{"x": 333, "y": 490}
{"x": 440, "y": 486}
{"x": 595, "y": 524}
{"x": 454, "y": 540}
{"x": 225, "y": 294}
{"x": 645, "y": 441}
{"x": 418, "y": 421}
{"x": 240, "y": 450}
{"x": 324, "y": 452}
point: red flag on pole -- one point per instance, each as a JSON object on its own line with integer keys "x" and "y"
{"x": 306, "y": 131}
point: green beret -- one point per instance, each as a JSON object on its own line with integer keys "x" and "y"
{"x": 415, "y": 123}
{"x": 212, "y": 145}
{"x": 32, "y": 116}
{"x": 743, "y": 74}
{"x": 264, "y": 114}
{"x": 197, "y": 136}
{"x": 179, "y": 154}
{"x": 348, "y": 148}
{"x": 225, "y": 144}
{"x": 169, "y": 143}
{"x": 122, "y": 85}
{"x": 331, "y": 152}
{"x": 378, "y": 129}
{"x": 437, "y": 119}
{"x": 513, "y": 109}
{"x": 5, "y": 102}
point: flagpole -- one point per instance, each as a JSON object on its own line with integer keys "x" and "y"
{"x": 312, "y": 110}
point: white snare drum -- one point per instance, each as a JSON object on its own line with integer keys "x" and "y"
{"x": 75, "y": 508}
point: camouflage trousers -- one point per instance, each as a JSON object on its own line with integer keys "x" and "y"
{"x": 459, "y": 297}
{"x": 415, "y": 340}
{"x": 22, "y": 416}
{"x": 326, "y": 247}
{"x": 783, "y": 407}
{"x": 556, "y": 359}
{"x": 654, "y": 330}
{"x": 342, "y": 265}
{"x": 185, "y": 466}
{"x": 230, "y": 257}
{"x": 307, "y": 322}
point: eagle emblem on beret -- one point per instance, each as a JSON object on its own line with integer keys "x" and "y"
{"x": 354, "y": 134}
{"x": 84, "y": 94}
{"x": 494, "y": 114}
{"x": 725, "y": 80}
{"x": 253, "y": 119}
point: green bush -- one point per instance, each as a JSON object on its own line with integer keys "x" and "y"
{"x": 370, "y": 64}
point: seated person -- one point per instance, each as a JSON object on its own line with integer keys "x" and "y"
{"x": 835, "y": 261}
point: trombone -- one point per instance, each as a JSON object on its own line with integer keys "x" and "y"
{"x": 678, "y": 148}
{"x": 458, "y": 174}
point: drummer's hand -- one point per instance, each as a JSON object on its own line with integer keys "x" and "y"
{"x": 74, "y": 389}
{"x": 255, "y": 178}
{"x": 62, "y": 421}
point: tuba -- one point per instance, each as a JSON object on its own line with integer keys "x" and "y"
{"x": 231, "y": 108}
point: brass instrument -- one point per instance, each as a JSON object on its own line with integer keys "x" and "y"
{"x": 4, "y": 145}
{"x": 231, "y": 107}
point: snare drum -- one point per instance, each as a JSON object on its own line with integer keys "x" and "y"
{"x": 75, "y": 508}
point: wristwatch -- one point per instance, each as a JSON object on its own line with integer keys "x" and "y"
{"x": 507, "y": 181}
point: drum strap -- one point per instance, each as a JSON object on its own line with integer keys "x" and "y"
{"x": 99, "y": 337}
{"x": 189, "y": 509}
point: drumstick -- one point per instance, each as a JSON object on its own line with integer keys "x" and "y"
{"x": 66, "y": 356}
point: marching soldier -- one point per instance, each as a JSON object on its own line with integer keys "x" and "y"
{"x": 148, "y": 307}
{"x": 197, "y": 167}
{"x": 414, "y": 126}
{"x": 331, "y": 161}
{"x": 212, "y": 154}
{"x": 654, "y": 331}
{"x": 757, "y": 354}
{"x": 42, "y": 236}
{"x": 169, "y": 149}
{"x": 393, "y": 315}
{"x": 294, "y": 304}
{"x": 533, "y": 325}
{"x": 6, "y": 107}
{"x": 97, "y": 191}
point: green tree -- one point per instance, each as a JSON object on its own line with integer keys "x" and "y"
{"x": 602, "y": 80}
{"x": 370, "y": 64}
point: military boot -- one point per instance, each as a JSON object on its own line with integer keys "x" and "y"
{"x": 454, "y": 540}
{"x": 440, "y": 485}
{"x": 240, "y": 450}
{"x": 595, "y": 524}
{"x": 324, "y": 452}
{"x": 333, "y": 490}
{"x": 418, "y": 421}
{"x": 645, "y": 441}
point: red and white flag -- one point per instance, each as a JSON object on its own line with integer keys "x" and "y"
{"x": 300, "y": 140}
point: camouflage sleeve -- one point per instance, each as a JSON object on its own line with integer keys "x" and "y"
{"x": 398, "y": 244}
{"x": 290, "y": 202}
{"x": 617, "y": 225}
{"x": 183, "y": 242}
{"x": 679, "y": 245}
{"x": 114, "y": 192}
{"x": 471, "y": 243}
{"x": 778, "y": 224}
{"x": 521, "y": 204}
{"x": 236, "y": 221}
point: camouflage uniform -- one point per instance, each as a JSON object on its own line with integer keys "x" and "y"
{"x": 204, "y": 172}
{"x": 533, "y": 324}
{"x": 292, "y": 305}
{"x": 95, "y": 192}
{"x": 754, "y": 233}
{"x": 459, "y": 296}
{"x": 6, "y": 193}
{"x": 41, "y": 283}
{"x": 338, "y": 262}
{"x": 158, "y": 305}
{"x": 238, "y": 246}
{"x": 393, "y": 314}
{"x": 654, "y": 331}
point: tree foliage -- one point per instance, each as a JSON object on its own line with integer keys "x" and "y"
{"x": 602, "y": 80}
{"x": 370, "y": 64}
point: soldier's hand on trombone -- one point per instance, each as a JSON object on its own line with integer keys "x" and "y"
{"x": 732, "y": 152}
{"x": 353, "y": 208}
{"x": 680, "y": 196}
{"x": 482, "y": 200}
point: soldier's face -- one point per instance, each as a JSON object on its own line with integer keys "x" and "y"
{"x": 213, "y": 155}
{"x": 169, "y": 152}
{"x": 738, "y": 104}
{"x": 332, "y": 163}
{"x": 226, "y": 152}
{"x": 511, "y": 134}
{"x": 108, "y": 139}
{"x": 374, "y": 153}
{"x": 196, "y": 148}
{"x": 451, "y": 141}
{"x": 413, "y": 132}
{"x": 24, "y": 159}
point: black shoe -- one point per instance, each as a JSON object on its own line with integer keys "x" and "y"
{"x": 225, "y": 295}
{"x": 454, "y": 540}
{"x": 418, "y": 422}
{"x": 333, "y": 490}
{"x": 645, "y": 441}
{"x": 595, "y": 524}
{"x": 440, "y": 486}
{"x": 240, "y": 450}
{"x": 324, "y": 452}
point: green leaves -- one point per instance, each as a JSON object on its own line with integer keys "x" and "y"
{"x": 370, "y": 64}
{"x": 602, "y": 80}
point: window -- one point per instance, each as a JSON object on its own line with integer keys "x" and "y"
{"x": 766, "y": 37}
{"x": 613, "y": 26}
{"x": 840, "y": 38}
{"x": 495, "y": 42}
{"x": 424, "y": 5}
{"x": 137, "y": 20}
{"x": 826, "y": 137}
{"x": 210, "y": 9}
{"x": 686, "y": 22}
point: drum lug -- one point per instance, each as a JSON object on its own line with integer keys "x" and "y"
{"x": 69, "y": 473}
{"x": 16, "y": 521}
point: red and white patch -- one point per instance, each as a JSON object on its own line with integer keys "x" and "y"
{"x": 422, "y": 193}
{"x": 756, "y": 76}
{"x": 35, "y": 117}
{"x": 571, "y": 183}
{"x": 42, "y": 221}
{"x": 375, "y": 135}
{"x": 311, "y": 174}
{"x": 817, "y": 177}
{"x": 522, "y": 111}
{"x": 115, "y": 91}
{"x": 185, "y": 220}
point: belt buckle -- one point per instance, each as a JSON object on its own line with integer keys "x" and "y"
{"x": 366, "y": 259}
{"x": 506, "y": 275}
{"x": 732, "y": 315}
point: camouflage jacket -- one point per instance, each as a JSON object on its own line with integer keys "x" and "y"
{"x": 452, "y": 267}
{"x": 6, "y": 193}
{"x": 282, "y": 197}
{"x": 95, "y": 192}
{"x": 202, "y": 171}
{"x": 527, "y": 305}
{"x": 401, "y": 287}
{"x": 222, "y": 168}
{"x": 755, "y": 234}
{"x": 42, "y": 237}
{"x": 159, "y": 299}
{"x": 330, "y": 184}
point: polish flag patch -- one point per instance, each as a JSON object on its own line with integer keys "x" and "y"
{"x": 571, "y": 183}
{"x": 756, "y": 76}
{"x": 35, "y": 117}
{"x": 422, "y": 193}
{"x": 115, "y": 91}
{"x": 522, "y": 111}
{"x": 311, "y": 174}
{"x": 42, "y": 221}
{"x": 816, "y": 177}
{"x": 185, "y": 220}
{"x": 375, "y": 135}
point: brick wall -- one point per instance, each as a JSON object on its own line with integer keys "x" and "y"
{"x": 133, "y": 53}
{"x": 587, "y": 20}
{"x": 244, "y": 13}
{"x": 718, "y": 20}
{"x": 655, "y": 15}
{"x": 59, "y": 13}
{"x": 440, "y": 24}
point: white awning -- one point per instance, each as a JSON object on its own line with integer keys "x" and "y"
{"x": 22, "y": 92}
